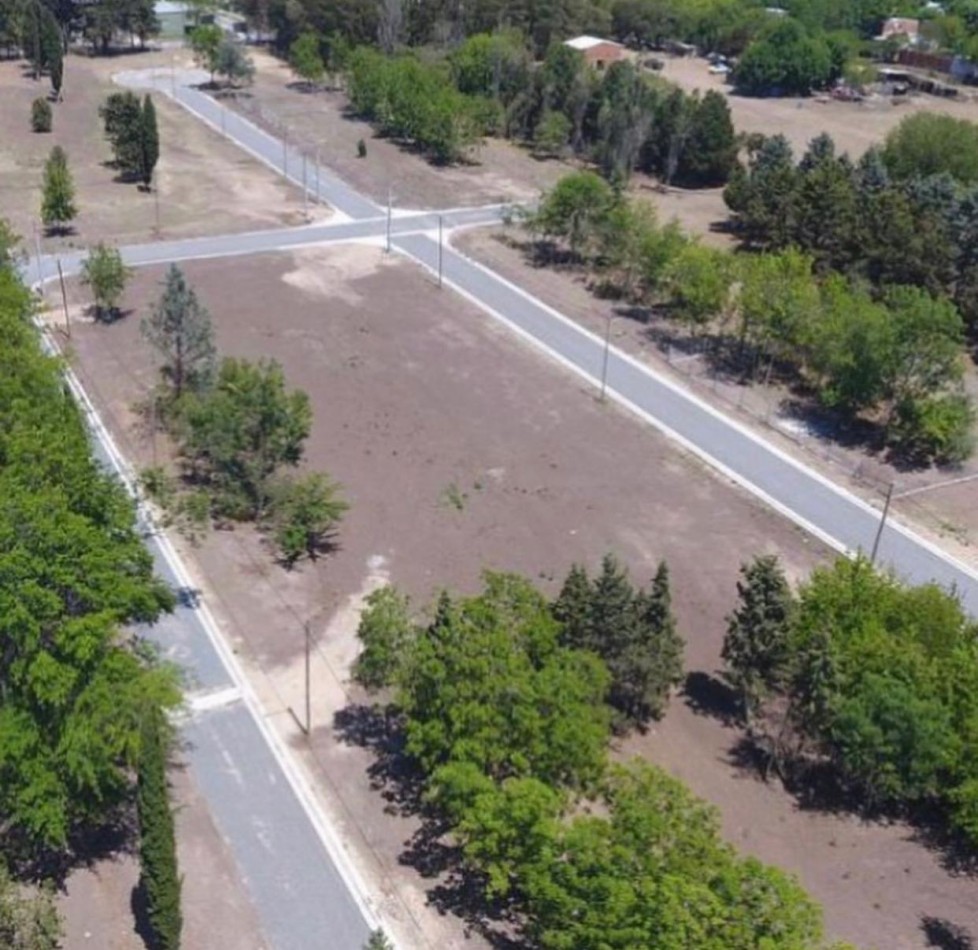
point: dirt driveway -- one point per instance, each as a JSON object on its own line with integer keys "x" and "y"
{"x": 461, "y": 449}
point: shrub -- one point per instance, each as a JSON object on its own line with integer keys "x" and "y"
{"x": 41, "y": 118}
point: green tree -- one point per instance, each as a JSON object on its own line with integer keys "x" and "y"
{"x": 149, "y": 142}
{"x": 710, "y": 151}
{"x": 304, "y": 513}
{"x": 232, "y": 62}
{"x": 552, "y": 135}
{"x": 9, "y": 242}
{"x": 763, "y": 197}
{"x": 105, "y": 274}
{"x": 58, "y": 198}
{"x": 624, "y": 115}
{"x": 179, "y": 328}
{"x": 699, "y": 281}
{"x": 122, "y": 117}
{"x": 386, "y": 632}
{"x": 378, "y": 941}
{"x": 306, "y": 60}
{"x": 204, "y": 42}
{"x": 756, "y": 648}
{"x": 41, "y": 116}
{"x": 159, "y": 875}
{"x": 28, "y": 921}
{"x": 575, "y": 210}
{"x": 239, "y": 433}
{"x": 787, "y": 60}
{"x": 487, "y": 684}
{"x": 929, "y": 143}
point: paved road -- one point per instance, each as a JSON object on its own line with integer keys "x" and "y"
{"x": 834, "y": 515}
{"x": 300, "y": 884}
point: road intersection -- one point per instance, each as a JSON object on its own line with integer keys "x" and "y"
{"x": 305, "y": 888}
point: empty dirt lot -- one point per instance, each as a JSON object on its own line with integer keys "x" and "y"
{"x": 206, "y": 184}
{"x": 461, "y": 449}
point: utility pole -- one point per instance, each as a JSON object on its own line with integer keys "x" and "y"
{"x": 305, "y": 725}
{"x": 37, "y": 252}
{"x": 390, "y": 199}
{"x": 882, "y": 524}
{"x": 439, "y": 253}
{"x": 319, "y": 196}
{"x": 156, "y": 206}
{"x": 305, "y": 189}
{"x": 285, "y": 151}
{"x": 64, "y": 300}
{"x": 604, "y": 362}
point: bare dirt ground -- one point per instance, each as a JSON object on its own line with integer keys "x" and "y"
{"x": 97, "y": 904}
{"x": 854, "y": 126}
{"x": 939, "y": 502}
{"x": 461, "y": 449}
{"x": 206, "y": 184}
{"x": 500, "y": 172}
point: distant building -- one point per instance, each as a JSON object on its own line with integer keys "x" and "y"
{"x": 597, "y": 52}
{"x": 897, "y": 26}
{"x": 173, "y": 16}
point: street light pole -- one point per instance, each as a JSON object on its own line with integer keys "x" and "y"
{"x": 439, "y": 253}
{"x": 882, "y": 524}
{"x": 64, "y": 300}
{"x": 604, "y": 362}
{"x": 390, "y": 200}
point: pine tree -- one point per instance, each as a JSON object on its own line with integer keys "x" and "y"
{"x": 755, "y": 649}
{"x": 378, "y": 941}
{"x": 57, "y": 202}
{"x": 665, "y": 645}
{"x": 572, "y": 609}
{"x": 149, "y": 142}
{"x": 179, "y": 326}
{"x": 159, "y": 876}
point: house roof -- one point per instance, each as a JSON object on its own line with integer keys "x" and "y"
{"x": 588, "y": 42}
{"x": 899, "y": 24}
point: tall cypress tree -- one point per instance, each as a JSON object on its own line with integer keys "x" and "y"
{"x": 572, "y": 609}
{"x": 159, "y": 875}
{"x": 149, "y": 141}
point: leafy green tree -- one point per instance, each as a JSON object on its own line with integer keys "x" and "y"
{"x": 787, "y": 60}
{"x": 149, "y": 142}
{"x": 179, "y": 327}
{"x": 929, "y": 143}
{"x": 232, "y": 62}
{"x": 122, "y": 117}
{"x": 386, "y": 632}
{"x": 205, "y": 41}
{"x": 9, "y": 242}
{"x": 105, "y": 274}
{"x": 41, "y": 115}
{"x": 159, "y": 874}
{"x": 306, "y": 60}
{"x": 28, "y": 921}
{"x": 58, "y": 199}
{"x": 487, "y": 684}
{"x": 304, "y": 513}
{"x": 756, "y": 648}
{"x": 575, "y": 210}
{"x": 552, "y": 135}
{"x": 623, "y": 119}
{"x": 572, "y": 609}
{"x": 763, "y": 197}
{"x": 699, "y": 281}
{"x": 239, "y": 433}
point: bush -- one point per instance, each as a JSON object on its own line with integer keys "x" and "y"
{"x": 41, "y": 117}
{"x": 361, "y": 148}
{"x": 935, "y": 428}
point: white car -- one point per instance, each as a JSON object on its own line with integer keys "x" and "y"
{"x": 719, "y": 69}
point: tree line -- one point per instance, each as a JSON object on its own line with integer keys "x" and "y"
{"x": 622, "y": 120}
{"x": 890, "y": 357}
{"x": 502, "y": 700}
{"x": 42, "y": 30}
{"x": 866, "y": 676}
{"x": 77, "y": 684}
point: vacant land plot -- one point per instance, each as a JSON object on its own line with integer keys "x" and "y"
{"x": 938, "y": 502}
{"x": 460, "y": 449}
{"x": 206, "y": 184}
{"x": 854, "y": 126}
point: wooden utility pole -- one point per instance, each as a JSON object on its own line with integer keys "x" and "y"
{"x": 64, "y": 300}
{"x": 439, "y": 252}
{"x": 882, "y": 524}
{"x": 604, "y": 362}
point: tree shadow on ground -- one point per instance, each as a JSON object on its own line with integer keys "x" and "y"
{"x": 430, "y": 851}
{"x": 139, "y": 906}
{"x": 944, "y": 935}
{"x": 706, "y": 695}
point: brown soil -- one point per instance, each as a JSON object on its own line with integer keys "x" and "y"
{"x": 206, "y": 184}
{"x": 854, "y": 126}
{"x": 98, "y": 900}
{"x": 461, "y": 449}
{"x": 945, "y": 510}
